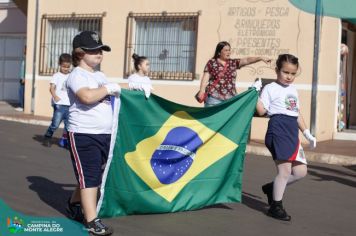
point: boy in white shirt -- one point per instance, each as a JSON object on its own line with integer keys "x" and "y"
{"x": 89, "y": 127}
{"x": 60, "y": 100}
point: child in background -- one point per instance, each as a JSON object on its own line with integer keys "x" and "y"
{"x": 60, "y": 100}
{"x": 140, "y": 80}
{"x": 280, "y": 101}
{"x": 22, "y": 81}
{"x": 89, "y": 127}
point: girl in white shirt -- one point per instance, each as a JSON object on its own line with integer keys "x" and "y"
{"x": 139, "y": 80}
{"x": 279, "y": 100}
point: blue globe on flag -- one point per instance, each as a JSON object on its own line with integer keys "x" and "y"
{"x": 173, "y": 158}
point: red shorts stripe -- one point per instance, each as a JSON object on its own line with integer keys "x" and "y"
{"x": 77, "y": 161}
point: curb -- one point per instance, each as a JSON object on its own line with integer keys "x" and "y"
{"x": 311, "y": 156}
{"x": 28, "y": 121}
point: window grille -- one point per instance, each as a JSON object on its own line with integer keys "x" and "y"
{"x": 57, "y": 33}
{"x": 168, "y": 40}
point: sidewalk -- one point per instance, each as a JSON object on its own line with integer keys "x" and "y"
{"x": 8, "y": 112}
{"x": 337, "y": 152}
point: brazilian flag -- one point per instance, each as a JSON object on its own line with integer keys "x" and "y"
{"x": 167, "y": 157}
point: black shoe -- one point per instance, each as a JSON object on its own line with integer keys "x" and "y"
{"x": 74, "y": 211}
{"x": 278, "y": 212}
{"x": 97, "y": 227}
{"x": 47, "y": 142}
{"x": 268, "y": 190}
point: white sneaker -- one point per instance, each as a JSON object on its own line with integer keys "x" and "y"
{"x": 18, "y": 109}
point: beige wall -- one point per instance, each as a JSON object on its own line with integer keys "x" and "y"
{"x": 284, "y": 29}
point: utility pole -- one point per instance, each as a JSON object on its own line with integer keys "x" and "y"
{"x": 34, "y": 65}
{"x": 315, "y": 66}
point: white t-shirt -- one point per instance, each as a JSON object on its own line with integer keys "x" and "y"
{"x": 59, "y": 80}
{"x": 90, "y": 119}
{"x": 279, "y": 99}
{"x": 138, "y": 82}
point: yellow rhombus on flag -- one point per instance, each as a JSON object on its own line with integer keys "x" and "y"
{"x": 214, "y": 147}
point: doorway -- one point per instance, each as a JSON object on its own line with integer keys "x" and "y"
{"x": 11, "y": 55}
{"x": 347, "y": 77}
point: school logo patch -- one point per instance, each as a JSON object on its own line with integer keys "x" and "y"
{"x": 291, "y": 103}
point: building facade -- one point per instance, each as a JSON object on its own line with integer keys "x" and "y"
{"x": 179, "y": 37}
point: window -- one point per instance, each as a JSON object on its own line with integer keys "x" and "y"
{"x": 168, "y": 40}
{"x": 57, "y": 33}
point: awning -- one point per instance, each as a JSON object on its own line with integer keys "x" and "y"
{"x": 343, "y": 9}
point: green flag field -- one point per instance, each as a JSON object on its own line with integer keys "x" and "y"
{"x": 167, "y": 157}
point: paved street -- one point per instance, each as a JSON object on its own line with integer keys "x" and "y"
{"x": 36, "y": 181}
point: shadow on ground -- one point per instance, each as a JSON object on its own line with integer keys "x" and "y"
{"x": 327, "y": 177}
{"x": 327, "y": 174}
{"x": 40, "y": 138}
{"x": 220, "y": 206}
{"x": 334, "y": 171}
{"x": 53, "y": 194}
{"x": 13, "y": 104}
{"x": 248, "y": 200}
{"x": 252, "y": 202}
{"x": 353, "y": 167}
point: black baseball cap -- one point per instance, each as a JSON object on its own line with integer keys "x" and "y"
{"x": 89, "y": 40}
